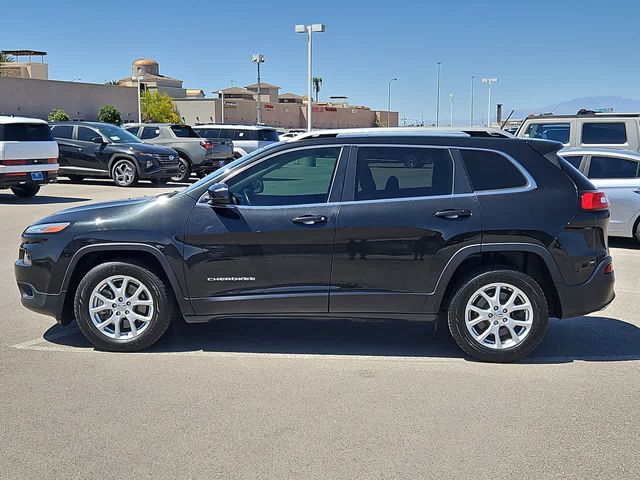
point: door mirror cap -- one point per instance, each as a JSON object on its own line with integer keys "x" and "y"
{"x": 219, "y": 195}
{"x": 98, "y": 140}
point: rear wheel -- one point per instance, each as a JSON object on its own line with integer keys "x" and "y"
{"x": 184, "y": 171}
{"x": 498, "y": 315}
{"x": 124, "y": 173}
{"x": 75, "y": 178}
{"x": 637, "y": 229}
{"x": 122, "y": 307}
{"x": 25, "y": 191}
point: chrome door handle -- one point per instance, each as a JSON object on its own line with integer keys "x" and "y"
{"x": 453, "y": 213}
{"x": 309, "y": 219}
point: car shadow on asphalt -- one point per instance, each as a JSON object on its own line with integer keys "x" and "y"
{"x": 38, "y": 200}
{"x": 596, "y": 339}
{"x": 625, "y": 243}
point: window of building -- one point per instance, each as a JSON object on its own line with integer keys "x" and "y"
{"x": 149, "y": 132}
{"x": 491, "y": 171}
{"x": 609, "y": 133}
{"x": 62, "y": 131}
{"x": 402, "y": 172}
{"x": 558, "y": 132}
{"x": 86, "y": 134}
{"x": 292, "y": 178}
{"x": 612, "y": 167}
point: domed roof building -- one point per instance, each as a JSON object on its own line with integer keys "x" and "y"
{"x": 152, "y": 80}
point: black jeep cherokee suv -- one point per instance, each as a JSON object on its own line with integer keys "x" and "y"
{"x": 492, "y": 235}
{"x": 93, "y": 149}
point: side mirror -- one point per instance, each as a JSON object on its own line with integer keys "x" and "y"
{"x": 98, "y": 140}
{"x": 219, "y": 195}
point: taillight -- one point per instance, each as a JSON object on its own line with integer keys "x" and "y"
{"x": 52, "y": 160}
{"x": 592, "y": 201}
{"x": 207, "y": 144}
{"x": 9, "y": 163}
{"x": 608, "y": 268}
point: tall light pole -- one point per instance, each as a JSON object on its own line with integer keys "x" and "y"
{"x": 389, "y": 103}
{"x": 439, "y": 64}
{"x": 309, "y": 29}
{"x": 489, "y": 81}
{"x": 471, "y": 116}
{"x": 451, "y": 112}
{"x": 258, "y": 59}
{"x": 139, "y": 78}
{"x": 221, "y": 93}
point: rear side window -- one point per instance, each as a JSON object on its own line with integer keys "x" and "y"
{"x": 558, "y": 132}
{"x": 604, "y": 133}
{"x": 400, "y": 172}
{"x": 149, "y": 132}
{"x": 25, "y": 132}
{"x": 62, "y": 131}
{"x": 491, "y": 171}
{"x": 240, "y": 134}
{"x": 612, "y": 167}
{"x": 210, "y": 132}
{"x": 574, "y": 160}
{"x": 184, "y": 131}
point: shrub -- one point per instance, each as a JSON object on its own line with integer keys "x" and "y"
{"x": 109, "y": 114}
{"x": 58, "y": 115}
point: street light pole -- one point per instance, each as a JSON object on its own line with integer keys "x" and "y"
{"x": 258, "y": 59}
{"x": 451, "y": 112}
{"x": 221, "y": 105}
{"x": 389, "y": 104}
{"x": 439, "y": 64}
{"x": 309, "y": 29}
{"x": 139, "y": 102}
{"x": 489, "y": 81}
{"x": 471, "y": 116}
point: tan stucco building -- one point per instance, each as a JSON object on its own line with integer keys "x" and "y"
{"x": 152, "y": 80}
{"x": 22, "y": 65}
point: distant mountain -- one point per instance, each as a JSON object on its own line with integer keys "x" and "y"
{"x": 618, "y": 104}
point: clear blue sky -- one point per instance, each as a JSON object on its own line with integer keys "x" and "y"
{"x": 542, "y": 51}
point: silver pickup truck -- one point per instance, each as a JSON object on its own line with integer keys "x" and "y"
{"x": 197, "y": 155}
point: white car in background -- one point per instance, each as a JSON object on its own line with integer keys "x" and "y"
{"x": 245, "y": 138}
{"x": 28, "y": 155}
{"x": 617, "y": 173}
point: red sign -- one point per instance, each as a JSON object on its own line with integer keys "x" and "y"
{"x": 268, "y": 106}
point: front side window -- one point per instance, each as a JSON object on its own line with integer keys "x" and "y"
{"x": 612, "y": 167}
{"x": 558, "y": 132}
{"x": 62, "y": 131}
{"x": 292, "y": 178}
{"x": 86, "y": 134}
{"x": 608, "y": 133}
{"x": 118, "y": 135}
{"x": 150, "y": 132}
{"x": 491, "y": 171}
{"x": 402, "y": 172}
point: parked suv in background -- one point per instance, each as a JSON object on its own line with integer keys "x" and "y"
{"x": 92, "y": 149}
{"x": 602, "y": 130}
{"x": 246, "y": 138}
{"x": 617, "y": 173}
{"x": 493, "y": 235}
{"x": 198, "y": 155}
{"x": 28, "y": 155}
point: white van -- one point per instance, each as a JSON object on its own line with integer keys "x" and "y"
{"x": 28, "y": 155}
{"x": 246, "y": 138}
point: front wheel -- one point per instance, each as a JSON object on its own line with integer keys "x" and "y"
{"x": 25, "y": 191}
{"x": 122, "y": 307}
{"x": 124, "y": 173}
{"x": 498, "y": 315}
{"x": 184, "y": 171}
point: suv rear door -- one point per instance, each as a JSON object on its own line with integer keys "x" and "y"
{"x": 399, "y": 224}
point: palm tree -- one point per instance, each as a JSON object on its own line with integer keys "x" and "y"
{"x": 5, "y": 58}
{"x": 317, "y": 83}
{"x": 111, "y": 82}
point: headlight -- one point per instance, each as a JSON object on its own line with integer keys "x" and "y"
{"x": 47, "y": 227}
{"x": 149, "y": 164}
{"x": 147, "y": 154}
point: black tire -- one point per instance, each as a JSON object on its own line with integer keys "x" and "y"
{"x": 25, "y": 191}
{"x": 637, "y": 230}
{"x": 163, "y": 304}
{"x": 124, "y": 173}
{"x": 184, "y": 170}
{"x": 466, "y": 289}
{"x": 75, "y": 178}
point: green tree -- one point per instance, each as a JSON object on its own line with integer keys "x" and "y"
{"x": 317, "y": 83}
{"x": 111, "y": 82}
{"x": 109, "y": 114}
{"x": 158, "y": 107}
{"x": 58, "y": 115}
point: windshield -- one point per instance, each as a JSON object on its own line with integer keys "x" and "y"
{"x": 118, "y": 135}
{"x": 222, "y": 171}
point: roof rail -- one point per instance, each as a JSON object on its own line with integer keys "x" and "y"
{"x": 382, "y": 131}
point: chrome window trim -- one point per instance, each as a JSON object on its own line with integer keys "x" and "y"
{"x": 530, "y": 185}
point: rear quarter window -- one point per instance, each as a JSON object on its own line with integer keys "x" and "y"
{"x": 609, "y": 133}
{"x": 612, "y": 167}
{"x": 184, "y": 131}
{"x": 25, "y": 132}
{"x": 491, "y": 171}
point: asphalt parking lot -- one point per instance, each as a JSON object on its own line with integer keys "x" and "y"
{"x": 302, "y": 399}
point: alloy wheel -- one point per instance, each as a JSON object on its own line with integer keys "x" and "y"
{"x": 124, "y": 173}
{"x": 499, "y": 316}
{"x": 121, "y": 307}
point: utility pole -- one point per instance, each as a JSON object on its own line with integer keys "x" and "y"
{"x": 258, "y": 59}
{"x": 439, "y": 64}
{"x": 309, "y": 29}
{"x": 471, "y": 116}
{"x": 489, "y": 81}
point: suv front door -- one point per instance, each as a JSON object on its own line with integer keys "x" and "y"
{"x": 89, "y": 155}
{"x": 399, "y": 225}
{"x": 271, "y": 251}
